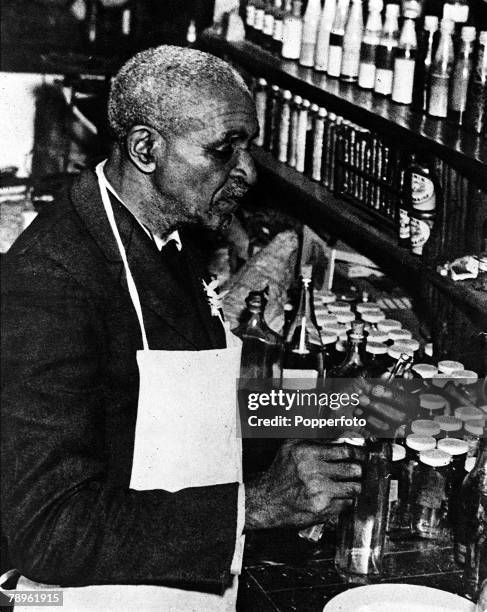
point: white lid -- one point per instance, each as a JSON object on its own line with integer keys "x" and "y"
{"x": 306, "y": 103}
{"x": 328, "y": 298}
{"x": 376, "y": 348}
{"x": 469, "y": 413}
{"x": 287, "y": 94}
{"x": 376, "y": 5}
{"x": 431, "y": 23}
{"x": 447, "y": 366}
{"x": 425, "y": 370}
{"x": 373, "y": 316}
{"x": 328, "y": 338}
{"x": 448, "y": 423}
{"x": 410, "y": 13}
{"x": 374, "y": 335}
{"x": 388, "y": 324}
{"x": 468, "y": 33}
{"x": 398, "y": 452}
{"x": 364, "y": 306}
{"x": 297, "y": 99}
{"x": 420, "y": 443}
{"x": 339, "y": 307}
{"x": 345, "y": 317}
{"x": 352, "y": 437}
{"x": 392, "y": 10}
{"x": 467, "y": 377}
{"x": 288, "y": 307}
{"x": 453, "y": 446}
{"x": 400, "y": 334}
{"x": 434, "y": 457}
{"x": 395, "y": 352}
{"x": 407, "y": 343}
{"x": 475, "y": 427}
{"x": 440, "y": 379}
{"x": 262, "y": 82}
{"x": 431, "y": 401}
{"x": 327, "y": 318}
{"x": 469, "y": 463}
{"x": 425, "y": 427}
{"x": 322, "y": 112}
{"x": 483, "y": 37}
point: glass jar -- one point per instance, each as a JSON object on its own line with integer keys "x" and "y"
{"x": 449, "y": 425}
{"x": 375, "y": 335}
{"x": 399, "y": 334}
{"x": 469, "y": 413}
{"x": 447, "y": 366}
{"x": 430, "y": 495}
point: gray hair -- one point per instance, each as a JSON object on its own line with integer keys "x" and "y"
{"x": 163, "y": 88}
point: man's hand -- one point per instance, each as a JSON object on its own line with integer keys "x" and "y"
{"x": 308, "y": 483}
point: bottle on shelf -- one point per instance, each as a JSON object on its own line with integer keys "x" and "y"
{"x": 353, "y": 365}
{"x": 311, "y": 22}
{"x": 260, "y": 98}
{"x": 259, "y": 21}
{"x": 284, "y": 126}
{"x": 386, "y": 51}
{"x": 352, "y": 40}
{"x": 441, "y": 70}
{"x": 292, "y": 32}
{"x": 302, "y": 133}
{"x": 318, "y": 142}
{"x": 268, "y": 26}
{"x": 271, "y": 131}
{"x": 395, "y": 515}
{"x": 476, "y": 119}
{"x": 460, "y": 77}
{"x": 293, "y": 131}
{"x": 426, "y": 49}
{"x": 370, "y": 42}
{"x": 278, "y": 27}
{"x": 335, "y": 47}
{"x": 323, "y": 39}
{"x": 404, "y": 62}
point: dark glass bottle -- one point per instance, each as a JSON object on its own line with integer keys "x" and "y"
{"x": 261, "y": 346}
{"x": 476, "y": 119}
{"x": 353, "y": 365}
{"x": 426, "y": 48}
{"x": 461, "y": 74}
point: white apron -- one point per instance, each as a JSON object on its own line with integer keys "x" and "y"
{"x": 185, "y": 436}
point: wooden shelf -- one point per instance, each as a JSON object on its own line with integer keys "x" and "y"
{"x": 464, "y": 150}
{"x": 320, "y": 209}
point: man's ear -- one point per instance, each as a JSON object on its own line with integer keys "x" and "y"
{"x": 142, "y": 144}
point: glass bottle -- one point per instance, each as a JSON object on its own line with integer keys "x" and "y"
{"x": 284, "y": 126}
{"x": 302, "y": 133}
{"x": 362, "y": 528}
{"x": 277, "y": 32}
{"x": 260, "y": 98}
{"x": 386, "y": 51}
{"x": 461, "y": 75}
{"x": 404, "y": 63}
{"x": 476, "y": 119}
{"x": 323, "y": 38}
{"x": 261, "y": 346}
{"x": 292, "y": 33}
{"x": 303, "y": 356}
{"x": 353, "y": 364}
{"x": 250, "y": 20}
{"x": 457, "y": 449}
{"x": 310, "y": 32}
{"x": 352, "y": 40}
{"x": 375, "y": 363}
{"x": 273, "y": 110}
{"x": 426, "y": 48}
{"x": 415, "y": 444}
{"x": 268, "y": 25}
{"x": 370, "y": 42}
{"x": 293, "y": 131}
{"x": 441, "y": 70}
{"x": 459, "y": 533}
{"x": 259, "y": 21}
{"x": 336, "y": 39}
{"x": 474, "y": 508}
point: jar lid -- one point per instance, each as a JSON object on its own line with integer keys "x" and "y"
{"x": 396, "y": 352}
{"x": 448, "y": 423}
{"x": 440, "y": 379}
{"x": 434, "y": 457}
{"x": 453, "y": 446}
{"x": 328, "y": 338}
{"x": 447, "y": 366}
{"x": 431, "y": 401}
{"x": 339, "y": 307}
{"x": 468, "y": 33}
{"x": 400, "y": 334}
{"x": 377, "y": 336}
{"x": 345, "y": 317}
{"x": 327, "y": 318}
{"x": 469, "y": 413}
{"x": 332, "y": 328}
{"x": 425, "y": 370}
{"x": 376, "y": 348}
{"x": 364, "y": 306}
{"x": 465, "y": 377}
{"x": 420, "y": 443}
{"x": 398, "y": 452}
{"x": 469, "y": 463}
{"x": 373, "y": 316}
{"x": 431, "y": 23}
{"x": 328, "y": 298}
{"x": 475, "y": 427}
{"x": 407, "y": 343}
{"x": 388, "y": 324}
{"x": 425, "y": 427}
{"x": 351, "y": 437}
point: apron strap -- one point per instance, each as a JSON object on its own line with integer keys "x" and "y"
{"x": 134, "y": 295}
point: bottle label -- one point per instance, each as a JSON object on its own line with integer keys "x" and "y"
{"x": 422, "y": 192}
{"x": 278, "y": 30}
{"x": 420, "y": 233}
{"x": 383, "y": 81}
{"x": 402, "y": 88}
{"x": 350, "y": 60}
{"x": 291, "y": 47}
{"x": 393, "y": 491}
{"x": 284, "y": 132}
{"x": 259, "y": 19}
{"x": 250, "y": 15}
{"x": 268, "y": 27}
{"x": 438, "y": 106}
{"x": 334, "y": 59}
{"x": 404, "y": 229}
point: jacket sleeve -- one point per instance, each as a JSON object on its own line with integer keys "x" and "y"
{"x": 63, "y": 523}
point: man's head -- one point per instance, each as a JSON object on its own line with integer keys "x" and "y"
{"x": 183, "y": 121}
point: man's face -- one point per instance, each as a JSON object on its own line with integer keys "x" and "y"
{"x": 203, "y": 174}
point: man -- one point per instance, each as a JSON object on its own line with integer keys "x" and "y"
{"x": 74, "y": 322}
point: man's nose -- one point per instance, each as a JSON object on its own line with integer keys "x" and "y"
{"x": 245, "y": 167}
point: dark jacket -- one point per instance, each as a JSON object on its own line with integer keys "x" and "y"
{"x": 70, "y": 388}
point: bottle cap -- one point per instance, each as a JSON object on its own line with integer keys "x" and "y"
{"x": 469, "y": 413}
{"x": 435, "y": 458}
{"x": 388, "y": 325}
{"x": 465, "y": 377}
{"x": 328, "y": 338}
{"x": 430, "y": 23}
{"x": 306, "y": 104}
{"x": 399, "y": 334}
{"x": 448, "y": 423}
{"x": 351, "y": 437}
{"x": 375, "y": 348}
{"x": 440, "y": 379}
{"x": 287, "y": 95}
{"x": 468, "y": 33}
{"x": 314, "y": 108}
{"x": 298, "y": 100}
{"x": 327, "y": 297}
{"x": 453, "y": 446}
{"x": 339, "y": 307}
{"x": 431, "y": 401}
{"x": 395, "y": 352}
{"x": 425, "y": 427}
{"x": 345, "y": 317}
{"x": 262, "y": 82}
{"x": 398, "y": 452}
{"x": 392, "y": 10}
{"x": 420, "y": 443}
{"x": 470, "y": 463}
{"x": 377, "y": 336}
{"x": 447, "y": 366}
{"x": 410, "y": 13}
{"x": 275, "y": 89}
{"x": 373, "y": 316}
{"x": 425, "y": 370}
{"x": 447, "y": 25}
{"x": 376, "y": 6}
{"x": 322, "y": 112}
{"x": 483, "y": 38}
{"x": 364, "y": 306}
{"x": 474, "y": 427}
{"x": 407, "y": 343}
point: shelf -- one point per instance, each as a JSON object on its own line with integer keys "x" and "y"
{"x": 322, "y": 210}
{"x": 465, "y": 151}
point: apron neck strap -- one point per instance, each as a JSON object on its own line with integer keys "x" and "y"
{"x": 134, "y": 295}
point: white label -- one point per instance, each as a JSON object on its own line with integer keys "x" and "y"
{"x": 366, "y": 76}
{"x": 318, "y": 149}
{"x": 250, "y": 15}
{"x": 259, "y": 19}
{"x": 268, "y": 27}
{"x": 260, "y": 104}
{"x": 383, "y": 81}
{"x": 351, "y": 60}
{"x": 422, "y": 192}
{"x": 334, "y": 61}
{"x": 292, "y": 40}
{"x": 402, "y": 89}
{"x": 301, "y": 145}
{"x": 278, "y": 30}
{"x": 404, "y": 229}
{"x": 420, "y": 233}
{"x": 393, "y": 491}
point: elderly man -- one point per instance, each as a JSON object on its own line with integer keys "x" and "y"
{"x": 107, "y": 480}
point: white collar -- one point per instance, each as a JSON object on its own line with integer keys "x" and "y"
{"x": 159, "y": 242}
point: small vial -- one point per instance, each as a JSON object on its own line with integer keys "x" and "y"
{"x": 284, "y": 126}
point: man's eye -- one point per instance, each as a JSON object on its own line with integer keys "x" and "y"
{"x": 223, "y": 153}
